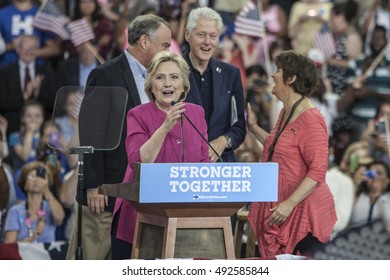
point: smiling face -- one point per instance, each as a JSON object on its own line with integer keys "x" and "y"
{"x": 203, "y": 40}
{"x": 33, "y": 117}
{"x": 167, "y": 85}
{"x": 279, "y": 85}
{"x": 27, "y": 48}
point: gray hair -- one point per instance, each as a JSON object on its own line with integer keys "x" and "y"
{"x": 144, "y": 24}
{"x": 203, "y": 13}
{"x": 20, "y": 40}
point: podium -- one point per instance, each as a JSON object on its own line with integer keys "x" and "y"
{"x": 175, "y": 219}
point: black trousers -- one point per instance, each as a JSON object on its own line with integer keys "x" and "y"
{"x": 120, "y": 250}
{"x": 308, "y": 246}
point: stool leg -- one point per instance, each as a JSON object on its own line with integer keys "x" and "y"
{"x": 238, "y": 238}
{"x": 251, "y": 243}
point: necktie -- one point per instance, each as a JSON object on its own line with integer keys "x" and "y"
{"x": 27, "y": 77}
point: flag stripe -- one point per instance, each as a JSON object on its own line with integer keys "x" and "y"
{"x": 49, "y": 18}
{"x": 324, "y": 41}
{"x": 81, "y": 31}
{"x": 248, "y": 21}
{"x": 58, "y": 29}
{"x": 34, "y": 251}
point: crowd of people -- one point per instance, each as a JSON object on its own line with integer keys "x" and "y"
{"x": 321, "y": 111}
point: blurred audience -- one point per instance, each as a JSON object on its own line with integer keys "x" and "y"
{"x": 377, "y": 133}
{"x": 369, "y": 82}
{"x": 378, "y": 14}
{"x": 305, "y": 21}
{"x": 23, "y": 144}
{"x": 348, "y": 44}
{"x": 74, "y": 71}
{"x": 373, "y": 196}
{"x": 34, "y": 220}
{"x": 25, "y": 80}
{"x": 15, "y": 20}
{"x": 101, "y": 26}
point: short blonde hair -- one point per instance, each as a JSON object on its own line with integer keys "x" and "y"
{"x": 166, "y": 56}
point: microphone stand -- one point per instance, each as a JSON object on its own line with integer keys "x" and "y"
{"x": 80, "y": 185}
{"x": 182, "y": 138}
{"x": 201, "y": 135}
{"x": 197, "y": 130}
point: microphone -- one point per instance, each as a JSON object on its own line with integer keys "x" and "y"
{"x": 200, "y": 134}
{"x": 182, "y": 138}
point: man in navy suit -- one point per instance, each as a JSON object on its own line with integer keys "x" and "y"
{"x": 16, "y": 88}
{"x": 74, "y": 71}
{"x": 147, "y": 35}
{"x": 215, "y": 85}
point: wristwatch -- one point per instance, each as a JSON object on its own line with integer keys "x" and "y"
{"x": 229, "y": 141}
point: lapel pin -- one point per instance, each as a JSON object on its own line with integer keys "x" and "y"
{"x": 219, "y": 70}
{"x": 293, "y": 130}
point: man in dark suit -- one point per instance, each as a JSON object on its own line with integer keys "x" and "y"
{"x": 25, "y": 80}
{"x": 74, "y": 71}
{"x": 215, "y": 85}
{"x": 147, "y": 35}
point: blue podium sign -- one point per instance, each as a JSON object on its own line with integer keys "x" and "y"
{"x": 208, "y": 182}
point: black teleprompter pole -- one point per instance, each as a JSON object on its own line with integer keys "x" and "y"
{"x": 80, "y": 186}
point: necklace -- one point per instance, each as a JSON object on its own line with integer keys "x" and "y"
{"x": 280, "y": 129}
{"x": 41, "y": 213}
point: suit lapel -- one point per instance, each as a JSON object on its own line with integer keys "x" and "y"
{"x": 128, "y": 79}
{"x": 217, "y": 74}
{"x": 15, "y": 70}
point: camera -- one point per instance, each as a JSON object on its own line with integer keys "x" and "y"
{"x": 41, "y": 172}
{"x": 370, "y": 174}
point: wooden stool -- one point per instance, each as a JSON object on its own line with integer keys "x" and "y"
{"x": 182, "y": 237}
{"x": 242, "y": 219}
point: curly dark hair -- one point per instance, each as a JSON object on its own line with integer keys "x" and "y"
{"x": 295, "y": 64}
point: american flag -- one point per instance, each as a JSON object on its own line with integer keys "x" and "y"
{"x": 81, "y": 31}
{"x": 50, "y": 18}
{"x": 324, "y": 41}
{"x": 34, "y": 251}
{"x": 248, "y": 21}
